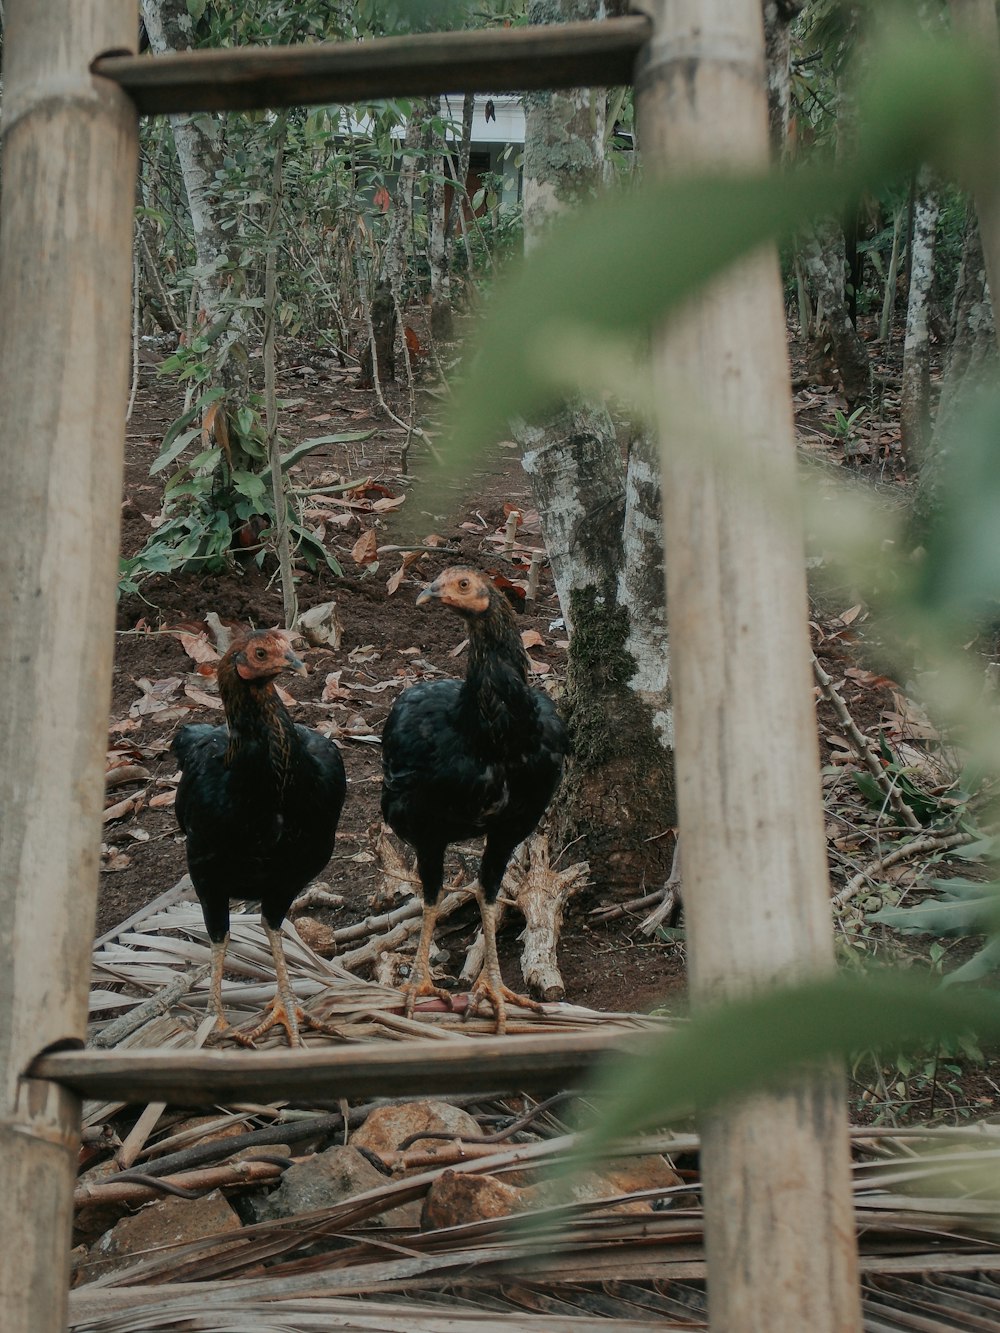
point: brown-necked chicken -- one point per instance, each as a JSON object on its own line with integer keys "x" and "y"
{"x": 468, "y": 758}
{"x": 259, "y": 801}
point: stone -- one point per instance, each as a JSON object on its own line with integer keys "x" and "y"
{"x": 389, "y": 1126}
{"x": 627, "y": 1176}
{"x": 327, "y": 1178}
{"x": 316, "y": 935}
{"x": 458, "y": 1197}
{"x": 167, "y": 1222}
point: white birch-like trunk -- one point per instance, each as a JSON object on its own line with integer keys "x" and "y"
{"x": 779, "y": 1220}
{"x": 915, "y": 393}
{"x": 198, "y": 139}
{"x": 641, "y": 585}
{"x": 401, "y": 227}
{"x": 778, "y": 16}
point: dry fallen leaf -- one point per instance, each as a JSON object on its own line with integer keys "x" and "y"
{"x": 365, "y": 549}
{"x": 531, "y": 638}
{"x": 155, "y": 695}
{"x": 333, "y": 688}
{"x": 200, "y": 697}
{"x": 162, "y": 799}
{"x": 197, "y": 646}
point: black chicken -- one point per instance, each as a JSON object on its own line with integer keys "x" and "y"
{"x": 461, "y": 758}
{"x": 258, "y": 801}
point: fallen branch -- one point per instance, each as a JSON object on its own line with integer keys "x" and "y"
{"x": 317, "y": 895}
{"x": 160, "y": 1003}
{"x": 931, "y": 842}
{"x": 541, "y": 894}
{"x": 862, "y": 748}
{"x": 142, "y": 1187}
{"x": 670, "y": 895}
{"x": 368, "y": 952}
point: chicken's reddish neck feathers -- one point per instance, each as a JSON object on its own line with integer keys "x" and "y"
{"x": 494, "y": 638}
{"x": 257, "y": 719}
{"x": 496, "y": 694}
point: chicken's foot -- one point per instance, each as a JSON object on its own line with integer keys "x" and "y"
{"x": 421, "y": 982}
{"x": 284, "y": 1009}
{"x": 222, "y": 1024}
{"x": 490, "y": 985}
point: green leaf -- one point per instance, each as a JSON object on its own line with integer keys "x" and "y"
{"x": 249, "y": 484}
{"x": 304, "y": 447}
{"x": 870, "y": 790}
{"x": 731, "y": 1050}
{"x": 178, "y": 444}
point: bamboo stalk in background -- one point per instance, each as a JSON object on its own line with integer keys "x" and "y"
{"x": 776, "y": 1172}
{"x": 69, "y": 164}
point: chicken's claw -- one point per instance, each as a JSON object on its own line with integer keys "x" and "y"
{"x": 493, "y": 989}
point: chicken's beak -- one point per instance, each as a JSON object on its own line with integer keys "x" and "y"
{"x": 429, "y": 594}
{"x": 295, "y": 664}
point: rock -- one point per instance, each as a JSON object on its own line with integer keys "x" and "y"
{"x": 457, "y": 1197}
{"x": 319, "y": 937}
{"x": 167, "y": 1222}
{"x": 627, "y": 1176}
{"x": 389, "y": 1126}
{"x": 327, "y": 1178}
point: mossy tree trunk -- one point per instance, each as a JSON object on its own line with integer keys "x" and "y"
{"x": 822, "y": 254}
{"x": 600, "y": 516}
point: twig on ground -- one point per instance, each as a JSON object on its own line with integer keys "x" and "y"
{"x": 316, "y": 895}
{"x": 160, "y": 1003}
{"x": 863, "y": 749}
{"x": 931, "y": 842}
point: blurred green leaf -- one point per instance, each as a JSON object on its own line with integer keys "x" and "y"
{"x": 732, "y": 1050}
{"x": 631, "y": 258}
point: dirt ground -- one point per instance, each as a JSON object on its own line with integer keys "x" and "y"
{"x": 387, "y": 643}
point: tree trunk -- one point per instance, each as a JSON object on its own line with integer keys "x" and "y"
{"x": 822, "y": 254}
{"x": 971, "y": 363}
{"x": 200, "y": 153}
{"x": 977, "y": 20}
{"x": 778, "y": 16}
{"x": 779, "y": 1226}
{"x": 438, "y": 249}
{"x": 972, "y": 356}
{"x": 596, "y": 521}
{"x": 915, "y": 394}
{"x": 69, "y": 172}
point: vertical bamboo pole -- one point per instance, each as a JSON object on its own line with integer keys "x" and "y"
{"x": 69, "y": 161}
{"x": 778, "y": 1214}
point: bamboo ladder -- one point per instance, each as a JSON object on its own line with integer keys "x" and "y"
{"x": 72, "y": 94}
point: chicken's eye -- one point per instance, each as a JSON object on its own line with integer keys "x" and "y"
{"x": 463, "y": 583}
{"x": 260, "y": 654}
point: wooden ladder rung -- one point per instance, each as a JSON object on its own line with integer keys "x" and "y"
{"x": 558, "y": 55}
{"x": 546, "y": 1063}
